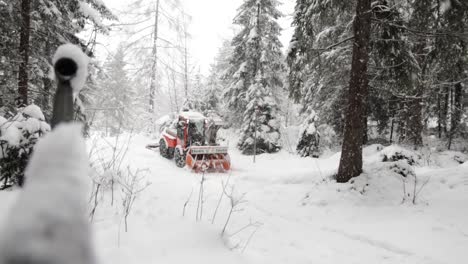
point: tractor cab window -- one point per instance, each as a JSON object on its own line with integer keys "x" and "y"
{"x": 180, "y": 129}
{"x": 196, "y": 132}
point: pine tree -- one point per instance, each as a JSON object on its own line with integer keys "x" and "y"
{"x": 451, "y": 64}
{"x": 309, "y": 141}
{"x": 255, "y": 76}
{"x": 217, "y": 81}
{"x": 351, "y": 155}
{"x": 116, "y": 94}
{"x": 318, "y": 59}
{"x": 300, "y": 52}
{"x": 396, "y": 91}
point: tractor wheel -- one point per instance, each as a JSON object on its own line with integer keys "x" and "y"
{"x": 170, "y": 153}
{"x": 163, "y": 150}
{"x": 179, "y": 159}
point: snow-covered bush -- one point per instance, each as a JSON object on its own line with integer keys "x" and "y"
{"x": 18, "y": 135}
{"x": 388, "y": 182}
{"x": 402, "y": 168}
{"x": 163, "y": 122}
{"x": 309, "y": 141}
{"x": 260, "y": 132}
{"x": 396, "y": 153}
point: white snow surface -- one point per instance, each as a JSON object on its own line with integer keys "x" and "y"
{"x": 47, "y": 223}
{"x": 298, "y": 214}
{"x": 2, "y": 120}
{"x": 10, "y": 133}
{"x": 75, "y": 53}
{"x": 34, "y": 111}
{"x": 92, "y": 14}
{"x": 305, "y": 216}
{"x": 192, "y": 115}
{"x": 163, "y": 120}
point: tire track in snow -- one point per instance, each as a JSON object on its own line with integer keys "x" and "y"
{"x": 372, "y": 242}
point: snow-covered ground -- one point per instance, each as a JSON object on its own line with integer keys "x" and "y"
{"x": 290, "y": 212}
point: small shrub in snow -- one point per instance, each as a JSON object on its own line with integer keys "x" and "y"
{"x": 395, "y": 153}
{"x": 402, "y": 168}
{"x": 460, "y": 158}
{"x": 106, "y": 166}
{"x": 308, "y": 145}
{"x": 131, "y": 185}
{"x": 18, "y": 135}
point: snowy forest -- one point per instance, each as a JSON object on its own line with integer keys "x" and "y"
{"x": 233, "y": 131}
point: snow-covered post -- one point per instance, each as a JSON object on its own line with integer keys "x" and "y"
{"x": 48, "y": 223}
{"x": 71, "y": 71}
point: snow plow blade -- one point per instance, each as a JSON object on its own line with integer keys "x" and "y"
{"x": 208, "y": 158}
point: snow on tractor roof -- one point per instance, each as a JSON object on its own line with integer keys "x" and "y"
{"x": 190, "y": 115}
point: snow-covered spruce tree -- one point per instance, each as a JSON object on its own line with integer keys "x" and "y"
{"x": 299, "y": 58}
{"x": 319, "y": 57}
{"x": 116, "y": 94}
{"x": 309, "y": 141}
{"x": 217, "y": 79}
{"x": 450, "y": 65}
{"x": 299, "y": 55}
{"x": 255, "y": 76}
{"x": 395, "y": 74}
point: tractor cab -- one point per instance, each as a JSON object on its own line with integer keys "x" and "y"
{"x": 191, "y": 129}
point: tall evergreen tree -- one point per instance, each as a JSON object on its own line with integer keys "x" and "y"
{"x": 255, "y": 73}
{"x": 319, "y": 58}
{"x": 351, "y": 155}
{"x": 395, "y": 72}
{"x": 116, "y": 94}
{"x": 451, "y": 64}
{"x": 300, "y": 52}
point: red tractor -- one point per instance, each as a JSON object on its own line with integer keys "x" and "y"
{"x": 191, "y": 141}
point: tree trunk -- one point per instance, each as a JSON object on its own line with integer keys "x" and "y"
{"x": 48, "y": 87}
{"x": 365, "y": 128}
{"x": 392, "y": 128}
{"x": 439, "y": 116}
{"x": 457, "y": 112}
{"x": 154, "y": 66}
{"x": 415, "y": 126}
{"x": 351, "y": 156}
{"x": 185, "y": 63}
{"x": 23, "y": 78}
{"x": 445, "y": 110}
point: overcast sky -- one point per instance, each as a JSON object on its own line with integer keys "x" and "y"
{"x": 212, "y": 23}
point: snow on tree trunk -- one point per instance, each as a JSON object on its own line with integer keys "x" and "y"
{"x": 351, "y": 156}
